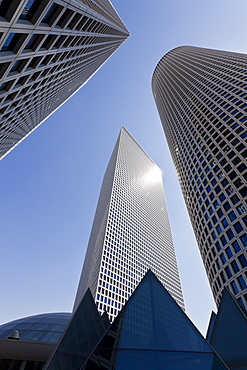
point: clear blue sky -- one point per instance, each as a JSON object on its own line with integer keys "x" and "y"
{"x": 50, "y": 183}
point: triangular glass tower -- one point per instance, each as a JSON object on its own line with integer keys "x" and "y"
{"x": 85, "y": 329}
{"x": 227, "y": 332}
{"x": 152, "y": 332}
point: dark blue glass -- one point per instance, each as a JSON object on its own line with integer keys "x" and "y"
{"x": 242, "y": 260}
{"x": 232, "y": 216}
{"x": 223, "y": 240}
{"x": 234, "y": 287}
{"x": 44, "y": 328}
{"x": 217, "y": 189}
{"x": 218, "y": 246}
{"x": 216, "y": 204}
{"x": 220, "y": 213}
{"x": 3, "y": 86}
{"x": 236, "y": 246}
{"x": 229, "y": 252}
{"x": 152, "y": 332}
{"x": 7, "y": 44}
{"x": 242, "y": 282}
{"x": 214, "y": 235}
{"x": 226, "y": 206}
{"x": 230, "y": 234}
{"x": 224, "y": 223}
{"x": 244, "y": 240}
{"x": 219, "y": 230}
{"x": 238, "y": 227}
{"x": 49, "y": 13}
{"x": 235, "y": 266}
{"x": 212, "y": 196}
{"x": 222, "y": 197}
{"x": 243, "y": 119}
{"x": 150, "y": 360}
{"x": 223, "y": 258}
{"x": 25, "y": 12}
{"x": 228, "y": 272}
{"x": 214, "y": 219}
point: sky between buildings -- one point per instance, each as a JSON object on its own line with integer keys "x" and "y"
{"x": 49, "y": 184}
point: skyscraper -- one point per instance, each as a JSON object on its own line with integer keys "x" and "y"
{"x": 48, "y": 50}
{"x": 201, "y": 96}
{"x": 130, "y": 233}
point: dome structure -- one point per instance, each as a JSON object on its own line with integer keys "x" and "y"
{"x": 43, "y": 328}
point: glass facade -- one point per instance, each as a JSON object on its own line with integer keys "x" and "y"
{"x": 152, "y": 332}
{"x": 131, "y": 231}
{"x": 201, "y": 96}
{"x": 43, "y": 328}
{"x": 85, "y": 330}
{"x": 227, "y": 332}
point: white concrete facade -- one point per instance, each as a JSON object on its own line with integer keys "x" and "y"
{"x": 201, "y": 96}
{"x": 48, "y": 50}
{"x": 131, "y": 231}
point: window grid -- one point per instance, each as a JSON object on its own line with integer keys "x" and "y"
{"x": 49, "y": 49}
{"x": 201, "y": 96}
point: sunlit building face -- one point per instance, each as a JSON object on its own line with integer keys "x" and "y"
{"x": 201, "y": 96}
{"x": 131, "y": 231}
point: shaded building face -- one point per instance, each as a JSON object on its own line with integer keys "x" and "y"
{"x": 48, "y": 50}
{"x": 152, "y": 332}
{"x": 227, "y": 332}
{"x": 130, "y": 233}
{"x": 201, "y": 96}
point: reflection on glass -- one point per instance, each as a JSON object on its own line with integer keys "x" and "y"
{"x": 152, "y": 332}
{"x": 44, "y": 328}
{"x": 25, "y": 11}
{"x": 7, "y": 44}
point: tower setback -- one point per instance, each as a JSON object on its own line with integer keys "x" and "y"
{"x": 201, "y": 96}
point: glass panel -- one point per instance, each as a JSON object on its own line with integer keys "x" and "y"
{"x": 81, "y": 336}
{"x": 152, "y": 332}
{"x": 30, "y": 335}
{"x": 149, "y": 360}
{"x": 218, "y": 364}
{"x": 6, "y": 45}
{"x": 51, "y": 337}
{"x": 24, "y": 14}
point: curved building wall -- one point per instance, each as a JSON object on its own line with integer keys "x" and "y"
{"x": 201, "y": 96}
{"x": 46, "y": 327}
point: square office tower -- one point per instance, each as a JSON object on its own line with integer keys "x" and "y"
{"x": 131, "y": 231}
{"x": 48, "y": 50}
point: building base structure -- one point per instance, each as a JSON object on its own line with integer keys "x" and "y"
{"x": 150, "y": 332}
{"x": 227, "y": 332}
